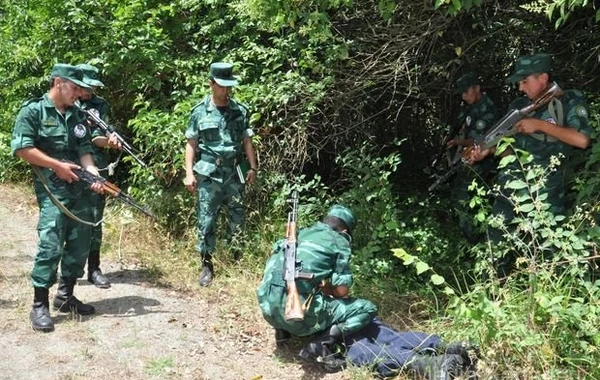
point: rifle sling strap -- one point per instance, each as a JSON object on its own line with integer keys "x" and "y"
{"x": 57, "y": 203}
{"x": 555, "y": 108}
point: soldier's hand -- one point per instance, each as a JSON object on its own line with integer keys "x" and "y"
{"x": 477, "y": 154}
{"x": 528, "y": 126}
{"x": 63, "y": 170}
{"x": 113, "y": 142}
{"x": 251, "y": 176}
{"x": 190, "y": 182}
{"x": 97, "y": 187}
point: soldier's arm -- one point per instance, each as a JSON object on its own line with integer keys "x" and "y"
{"x": 566, "y": 134}
{"x": 37, "y": 157}
{"x": 190, "y": 156}
{"x": 334, "y": 291}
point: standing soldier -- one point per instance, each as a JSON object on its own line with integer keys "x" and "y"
{"x": 476, "y": 117}
{"x": 555, "y": 129}
{"x": 219, "y": 145}
{"x": 89, "y": 100}
{"x": 52, "y": 136}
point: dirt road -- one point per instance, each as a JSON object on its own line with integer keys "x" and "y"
{"x": 139, "y": 331}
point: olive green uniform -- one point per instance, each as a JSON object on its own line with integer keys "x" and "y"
{"x": 478, "y": 119}
{"x": 325, "y": 253}
{"x": 97, "y": 201}
{"x": 61, "y": 239}
{"x": 219, "y": 132}
{"x": 542, "y": 148}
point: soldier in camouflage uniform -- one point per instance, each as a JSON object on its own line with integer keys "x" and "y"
{"x": 89, "y": 100}
{"x": 558, "y": 128}
{"x": 48, "y": 131}
{"x": 219, "y": 148}
{"x": 476, "y": 117}
{"x": 323, "y": 250}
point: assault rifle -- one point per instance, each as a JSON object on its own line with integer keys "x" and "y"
{"x": 451, "y": 158}
{"x": 502, "y": 128}
{"x": 294, "y": 310}
{"x": 94, "y": 118}
{"x": 112, "y": 190}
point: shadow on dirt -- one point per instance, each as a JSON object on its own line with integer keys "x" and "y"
{"x": 120, "y": 307}
{"x": 8, "y": 304}
{"x": 126, "y": 276}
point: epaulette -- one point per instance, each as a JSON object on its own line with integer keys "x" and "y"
{"x": 572, "y": 95}
{"x": 241, "y": 106}
{"x": 203, "y": 102}
{"x": 99, "y": 99}
{"x": 31, "y": 100}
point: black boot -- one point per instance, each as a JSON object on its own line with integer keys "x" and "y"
{"x": 324, "y": 351}
{"x": 237, "y": 255}
{"x": 40, "y": 313}
{"x": 95, "y": 275}
{"x": 467, "y": 350}
{"x": 66, "y": 302}
{"x": 281, "y": 336}
{"x": 436, "y": 367}
{"x": 206, "y": 276}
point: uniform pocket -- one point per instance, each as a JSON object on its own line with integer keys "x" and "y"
{"x": 205, "y": 168}
{"x": 52, "y": 138}
{"x": 209, "y": 131}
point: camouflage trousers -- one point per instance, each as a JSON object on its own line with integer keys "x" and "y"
{"x": 62, "y": 240}
{"x": 97, "y": 203}
{"x": 212, "y": 196}
{"x": 351, "y": 314}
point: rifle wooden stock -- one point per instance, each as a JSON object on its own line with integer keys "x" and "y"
{"x": 294, "y": 312}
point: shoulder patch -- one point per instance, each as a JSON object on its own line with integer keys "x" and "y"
{"x": 79, "y": 131}
{"x": 581, "y": 111}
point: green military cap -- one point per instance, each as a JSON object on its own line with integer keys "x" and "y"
{"x": 465, "y": 82}
{"x": 345, "y": 214}
{"x": 91, "y": 75}
{"x": 222, "y": 73}
{"x": 530, "y": 64}
{"x": 69, "y": 72}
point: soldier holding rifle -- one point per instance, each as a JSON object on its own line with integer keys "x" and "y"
{"x": 477, "y": 116}
{"x": 91, "y": 101}
{"x": 51, "y": 135}
{"x": 323, "y": 251}
{"x": 559, "y": 127}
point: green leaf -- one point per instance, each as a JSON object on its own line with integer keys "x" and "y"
{"x": 527, "y": 207}
{"x": 437, "y": 279}
{"x": 507, "y": 160}
{"x": 422, "y": 267}
{"x": 516, "y": 185}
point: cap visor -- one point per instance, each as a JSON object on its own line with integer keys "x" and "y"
{"x": 226, "y": 82}
{"x": 79, "y": 83}
{"x": 93, "y": 83}
{"x": 517, "y": 76}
